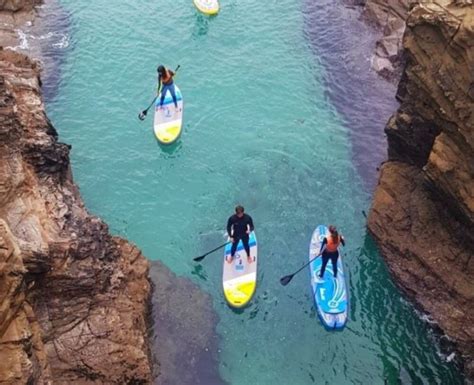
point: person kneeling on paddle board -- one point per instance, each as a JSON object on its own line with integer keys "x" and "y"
{"x": 239, "y": 226}
{"x": 330, "y": 245}
{"x": 165, "y": 82}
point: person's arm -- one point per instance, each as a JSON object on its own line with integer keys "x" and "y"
{"x": 229, "y": 227}
{"x": 343, "y": 241}
{"x": 250, "y": 220}
{"x": 171, "y": 73}
{"x": 159, "y": 85}
{"x": 323, "y": 245}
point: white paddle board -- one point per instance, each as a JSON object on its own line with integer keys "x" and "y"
{"x": 168, "y": 120}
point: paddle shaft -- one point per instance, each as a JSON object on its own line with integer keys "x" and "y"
{"x": 151, "y": 104}
{"x": 209, "y": 252}
{"x": 307, "y": 263}
{"x": 217, "y": 248}
{"x": 145, "y": 111}
{"x": 287, "y": 278}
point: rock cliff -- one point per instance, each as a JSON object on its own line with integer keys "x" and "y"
{"x": 390, "y": 17}
{"x": 73, "y": 299}
{"x": 18, "y": 5}
{"x": 422, "y": 214}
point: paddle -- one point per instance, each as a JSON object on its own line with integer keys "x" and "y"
{"x": 142, "y": 115}
{"x": 200, "y": 258}
{"x": 287, "y": 278}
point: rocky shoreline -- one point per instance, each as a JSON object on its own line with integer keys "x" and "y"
{"x": 422, "y": 213}
{"x": 71, "y": 293}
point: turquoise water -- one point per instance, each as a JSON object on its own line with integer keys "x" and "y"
{"x": 259, "y": 130}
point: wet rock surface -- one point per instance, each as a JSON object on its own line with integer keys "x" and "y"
{"x": 422, "y": 214}
{"x": 74, "y": 298}
{"x": 389, "y": 17}
{"x": 13, "y": 15}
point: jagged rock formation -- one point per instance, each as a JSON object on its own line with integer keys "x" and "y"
{"x": 390, "y": 17}
{"x": 422, "y": 215}
{"x": 18, "y": 5}
{"x": 74, "y": 299}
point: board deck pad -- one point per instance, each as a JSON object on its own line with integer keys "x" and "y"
{"x": 168, "y": 122}
{"x": 330, "y": 295}
{"x": 239, "y": 277}
{"x": 208, "y": 7}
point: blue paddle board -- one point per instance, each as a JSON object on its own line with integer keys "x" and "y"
{"x": 330, "y": 296}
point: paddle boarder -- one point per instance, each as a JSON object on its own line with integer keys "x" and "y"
{"x": 165, "y": 82}
{"x": 329, "y": 248}
{"x": 239, "y": 226}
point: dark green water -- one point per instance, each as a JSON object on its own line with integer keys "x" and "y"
{"x": 261, "y": 130}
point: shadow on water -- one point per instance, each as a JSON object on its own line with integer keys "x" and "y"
{"x": 170, "y": 150}
{"x": 199, "y": 272}
{"x": 201, "y": 27}
{"x": 345, "y": 45}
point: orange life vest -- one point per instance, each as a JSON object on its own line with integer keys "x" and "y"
{"x": 332, "y": 246}
{"x": 167, "y": 77}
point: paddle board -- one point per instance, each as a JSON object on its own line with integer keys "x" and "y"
{"x": 208, "y": 7}
{"x": 330, "y": 295}
{"x": 239, "y": 278}
{"x": 168, "y": 121}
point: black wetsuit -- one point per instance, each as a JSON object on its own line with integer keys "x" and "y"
{"x": 237, "y": 229}
{"x": 328, "y": 255}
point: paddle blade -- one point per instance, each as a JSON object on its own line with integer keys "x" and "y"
{"x": 142, "y": 115}
{"x": 286, "y": 279}
{"x": 199, "y": 259}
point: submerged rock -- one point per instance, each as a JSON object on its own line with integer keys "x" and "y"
{"x": 422, "y": 215}
{"x": 185, "y": 343}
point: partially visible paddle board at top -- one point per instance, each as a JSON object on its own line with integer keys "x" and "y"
{"x": 168, "y": 120}
{"x": 208, "y": 7}
{"x": 239, "y": 278}
{"x": 330, "y": 296}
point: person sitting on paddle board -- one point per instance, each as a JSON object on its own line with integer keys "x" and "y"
{"x": 165, "y": 82}
{"x": 330, "y": 251}
{"x": 239, "y": 226}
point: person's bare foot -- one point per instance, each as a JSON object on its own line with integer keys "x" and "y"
{"x": 229, "y": 259}
{"x": 249, "y": 259}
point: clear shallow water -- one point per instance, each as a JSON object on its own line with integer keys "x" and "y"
{"x": 261, "y": 131}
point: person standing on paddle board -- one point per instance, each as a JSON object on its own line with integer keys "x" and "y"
{"x": 165, "y": 82}
{"x": 239, "y": 226}
{"x": 330, "y": 251}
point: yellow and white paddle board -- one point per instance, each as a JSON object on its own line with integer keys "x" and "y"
{"x": 208, "y": 7}
{"x": 239, "y": 278}
{"x": 168, "y": 120}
